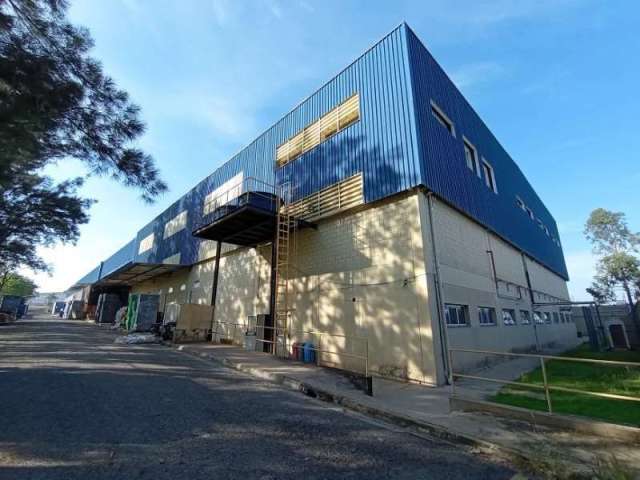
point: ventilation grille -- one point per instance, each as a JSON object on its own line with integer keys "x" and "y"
{"x": 336, "y": 198}
{"x": 345, "y": 114}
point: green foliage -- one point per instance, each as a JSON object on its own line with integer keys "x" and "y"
{"x": 608, "y": 232}
{"x": 56, "y": 103}
{"x": 618, "y": 266}
{"x": 583, "y": 376}
{"x": 15, "y": 284}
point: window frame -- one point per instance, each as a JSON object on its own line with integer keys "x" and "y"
{"x": 538, "y": 317}
{"x": 525, "y": 317}
{"x": 442, "y": 118}
{"x": 459, "y": 308}
{"x": 475, "y": 167}
{"x": 490, "y": 179}
{"x": 512, "y": 314}
{"x": 492, "y": 315}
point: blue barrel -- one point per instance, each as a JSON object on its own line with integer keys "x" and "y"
{"x": 309, "y": 353}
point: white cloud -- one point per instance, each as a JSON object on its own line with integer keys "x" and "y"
{"x": 474, "y": 73}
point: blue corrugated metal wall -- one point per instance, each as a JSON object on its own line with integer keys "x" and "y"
{"x": 395, "y": 147}
{"x": 382, "y": 146}
{"x": 445, "y": 172}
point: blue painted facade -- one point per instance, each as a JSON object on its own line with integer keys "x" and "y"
{"x": 397, "y": 145}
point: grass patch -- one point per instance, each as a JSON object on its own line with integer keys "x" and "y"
{"x": 582, "y": 376}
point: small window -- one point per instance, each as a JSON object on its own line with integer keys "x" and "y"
{"x": 556, "y": 317}
{"x": 442, "y": 118}
{"x": 146, "y": 244}
{"x": 520, "y": 203}
{"x": 489, "y": 176}
{"x": 538, "y": 318}
{"x": 525, "y": 317}
{"x": 547, "y": 318}
{"x": 509, "y": 316}
{"x": 487, "y": 315}
{"x": 176, "y": 224}
{"x": 471, "y": 156}
{"x": 456, "y": 315}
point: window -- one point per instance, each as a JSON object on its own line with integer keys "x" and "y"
{"x": 525, "y": 317}
{"x": 487, "y": 315}
{"x": 146, "y": 244}
{"x": 332, "y": 122}
{"x": 538, "y": 318}
{"x": 489, "y": 176}
{"x": 520, "y": 203}
{"x": 456, "y": 315}
{"x": 509, "y": 316}
{"x": 471, "y": 156}
{"x": 176, "y": 224}
{"x": 547, "y": 318}
{"x": 556, "y": 317}
{"x": 442, "y": 118}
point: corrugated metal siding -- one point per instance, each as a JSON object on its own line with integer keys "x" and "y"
{"x": 381, "y": 145}
{"x": 91, "y": 277}
{"x": 445, "y": 172}
{"x": 121, "y": 257}
{"x": 395, "y": 80}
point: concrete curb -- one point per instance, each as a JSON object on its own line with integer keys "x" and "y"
{"x": 327, "y": 395}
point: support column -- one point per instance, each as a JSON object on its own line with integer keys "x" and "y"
{"x": 214, "y": 286}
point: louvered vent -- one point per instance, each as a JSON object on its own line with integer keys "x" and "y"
{"x": 336, "y": 198}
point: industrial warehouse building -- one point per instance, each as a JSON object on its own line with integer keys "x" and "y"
{"x": 380, "y": 218}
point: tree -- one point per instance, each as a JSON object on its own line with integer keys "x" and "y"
{"x": 618, "y": 266}
{"x": 56, "y": 103}
{"x": 15, "y": 284}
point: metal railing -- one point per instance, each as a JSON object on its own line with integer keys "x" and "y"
{"x": 263, "y": 194}
{"x": 279, "y": 333}
{"x": 545, "y": 386}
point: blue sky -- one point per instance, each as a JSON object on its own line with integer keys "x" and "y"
{"x": 556, "y": 81}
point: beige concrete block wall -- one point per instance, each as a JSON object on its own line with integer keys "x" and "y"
{"x": 467, "y": 278}
{"x": 172, "y": 288}
{"x": 363, "y": 275}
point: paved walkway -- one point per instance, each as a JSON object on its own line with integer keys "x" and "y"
{"x": 428, "y": 408}
{"x": 76, "y": 406}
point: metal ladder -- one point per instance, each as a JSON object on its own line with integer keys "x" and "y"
{"x": 284, "y": 230}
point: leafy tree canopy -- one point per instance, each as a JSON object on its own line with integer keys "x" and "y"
{"x": 618, "y": 266}
{"x": 15, "y": 284}
{"x": 57, "y": 103}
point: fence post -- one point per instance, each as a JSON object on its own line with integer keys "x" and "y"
{"x": 546, "y": 385}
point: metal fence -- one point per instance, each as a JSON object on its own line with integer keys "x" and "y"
{"x": 545, "y": 386}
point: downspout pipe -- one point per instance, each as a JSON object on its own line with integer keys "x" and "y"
{"x": 531, "y": 298}
{"x": 443, "y": 335}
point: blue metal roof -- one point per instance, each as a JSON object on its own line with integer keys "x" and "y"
{"x": 396, "y": 145}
